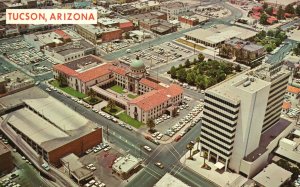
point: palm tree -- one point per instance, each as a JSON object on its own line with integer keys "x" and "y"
{"x": 111, "y": 104}
{"x": 150, "y": 123}
{"x": 205, "y": 155}
{"x": 92, "y": 93}
{"x": 198, "y": 142}
{"x": 62, "y": 81}
{"x": 190, "y": 147}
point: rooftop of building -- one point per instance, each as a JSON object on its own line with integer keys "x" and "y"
{"x": 155, "y": 98}
{"x": 3, "y": 149}
{"x": 82, "y": 62}
{"x": 72, "y": 47}
{"x": 293, "y": 89}
{"x": 126, "y": 164}
{"x": 15, "y": 77}
{"x": 221, "y": 33}
{"x": 62, "y": 33}
{"x": 249, "y": 46}
{"x": 49, "y": 123}
{"x": 72, "y": 161}
{"x": 97, "y": 30}
{"x": 151, "y": 84}
{"x": 266, "y": 138}
{"x": 272, "y": 175}
{"x": 286, "y": 105}
{"x": 174, "y": 5}
{"x": 170, "y": 180}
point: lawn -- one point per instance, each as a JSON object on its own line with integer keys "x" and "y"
{"x": 131, "y": 96}
{"x": 92, "y": 101}
{"x": 114, "y": 110}
{"x": 129, "y": 120}
{"x": 68, "y": 90}
{"x": 198, "y": 47}
{"x": 117, "y": 89}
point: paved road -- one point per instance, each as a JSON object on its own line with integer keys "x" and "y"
{"x": 131, "y": 141}
{"x": 282, "y": 52}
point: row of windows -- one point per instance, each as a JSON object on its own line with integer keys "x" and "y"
{"x": 206, "y": 125}
{"x": 269, "y": 124}
{"x": 221, "y": 107}
{"x": 204, "y": 136}
{"x": 220, "y": 113}
{"x": 219, "y": 126}
{"x": 274, "y": 93}
{"x": 74, "y": 57}
{"x": 216, "y": 137}
{"x": 215, "y": 149}
{"x": 281, "y": 82}
{"x": 222, "y": 101}
{"x": 275, "y": 98}
{"x": 273, "y": 107}
{"x": 218, "y": 119}
{"x": 277, "y": 110}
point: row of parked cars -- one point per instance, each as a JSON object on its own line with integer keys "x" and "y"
{"x": 192, "y": 117}
{"x": 161, "y": 119}
{"x": 95, "y": 183}
{"x": 101, "y": 146}
{"x": 9, "y": 181}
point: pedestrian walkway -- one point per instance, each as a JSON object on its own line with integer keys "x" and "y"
{"x": 225, "y": 179}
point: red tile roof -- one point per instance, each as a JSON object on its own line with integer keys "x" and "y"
{"x": 62, "y": 34}
{"x": 257, "y": 8}
{"x": 272, "y": 19}
{"x": 118, "y": 70}
{"x": 156, "y": 97}
{"x": 64, "y": 69}
{"x": 125, "y": 25}
{"x": 150, "y": 84}
{"x": 293, "y": 89}
{"x": 94, "y": 73}
{"x": 286, "y": 105}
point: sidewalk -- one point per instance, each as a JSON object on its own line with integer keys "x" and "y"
{"x": 225, "y": 179}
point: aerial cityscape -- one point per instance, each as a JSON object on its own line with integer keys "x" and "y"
{"x": 156, "y": 93}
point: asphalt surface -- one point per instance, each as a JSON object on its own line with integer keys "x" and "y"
{"x": 282, "y": 52}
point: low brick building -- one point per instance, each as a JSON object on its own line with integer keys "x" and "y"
{"x": 6, "y": 160}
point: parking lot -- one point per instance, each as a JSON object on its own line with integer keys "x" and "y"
{"x": 113, "y": 46}
{"x": 100, "y": 161}
{"x": 161, "y": 54}
{"x": 188, "y": 115}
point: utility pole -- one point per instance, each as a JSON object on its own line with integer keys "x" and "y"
{"x": 107, "y": 134}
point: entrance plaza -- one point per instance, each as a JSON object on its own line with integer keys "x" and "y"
{"x": 214, "y": 175}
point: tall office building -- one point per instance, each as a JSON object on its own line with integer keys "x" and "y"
{"x": 237, "y": 112}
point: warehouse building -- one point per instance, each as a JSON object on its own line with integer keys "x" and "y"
{"x": 53, "y": 130}
{"x": 6, "y": 160}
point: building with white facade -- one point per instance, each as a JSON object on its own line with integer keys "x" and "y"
{"x": 239, "y": 112}
{"x": 173, "y": 9}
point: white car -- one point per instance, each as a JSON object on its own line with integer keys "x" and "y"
{"x": 147, "y": 148}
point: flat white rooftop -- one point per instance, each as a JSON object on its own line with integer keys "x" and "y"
{"x": 221, "y": 33}
{"x": 34, "y": 126}
{"x": 58, "y": 113}
{"x": 230, "y": 88}
{"x": 169, "y": 180}
{"x": 281, "y": 2}
{"x": 272, "y": 175}
{"x": 126, "y": 164}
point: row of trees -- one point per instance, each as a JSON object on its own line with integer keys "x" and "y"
{"x": 296, "y": 50}
{"x": 202, "y": 74}
{"x": 270, "y": 39}
{"x": 280, "y": 12}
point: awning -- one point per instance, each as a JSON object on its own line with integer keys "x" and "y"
{"x": 219, "y": 165}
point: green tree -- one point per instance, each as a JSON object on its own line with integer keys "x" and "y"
{"x": 198, "y": 142}
{"x": 238, "y": 68}
{"x": 280, "y": 13}
{"x": 263, "y": 19}
{"x": 297, "y": 10}
{"x": 262, "y": 34}
{"x": 111, "y": 105}
{"x": 92, "y": 93}
{"x": 190, "y": 78}
{"x": 127, "y": 35}
{"x": 269, "y": 49}
{"x": 269, "y": 11}
{"x": 173, "y": 72}
{"x": 265, "y": 6}
{"x": 200, "y": 82}
{"x": 290, "y": 9}
{"x": 62, "y": 81}
{"x": 270, "y": 33}
{"x": 205, "y": 156}
{"x": 201, "y": 57}
{"x": 181, "y": 74}
{"x": 150, "y": 123}
{"x": 187, "y": 63}
{"x": 190, "y": 147}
